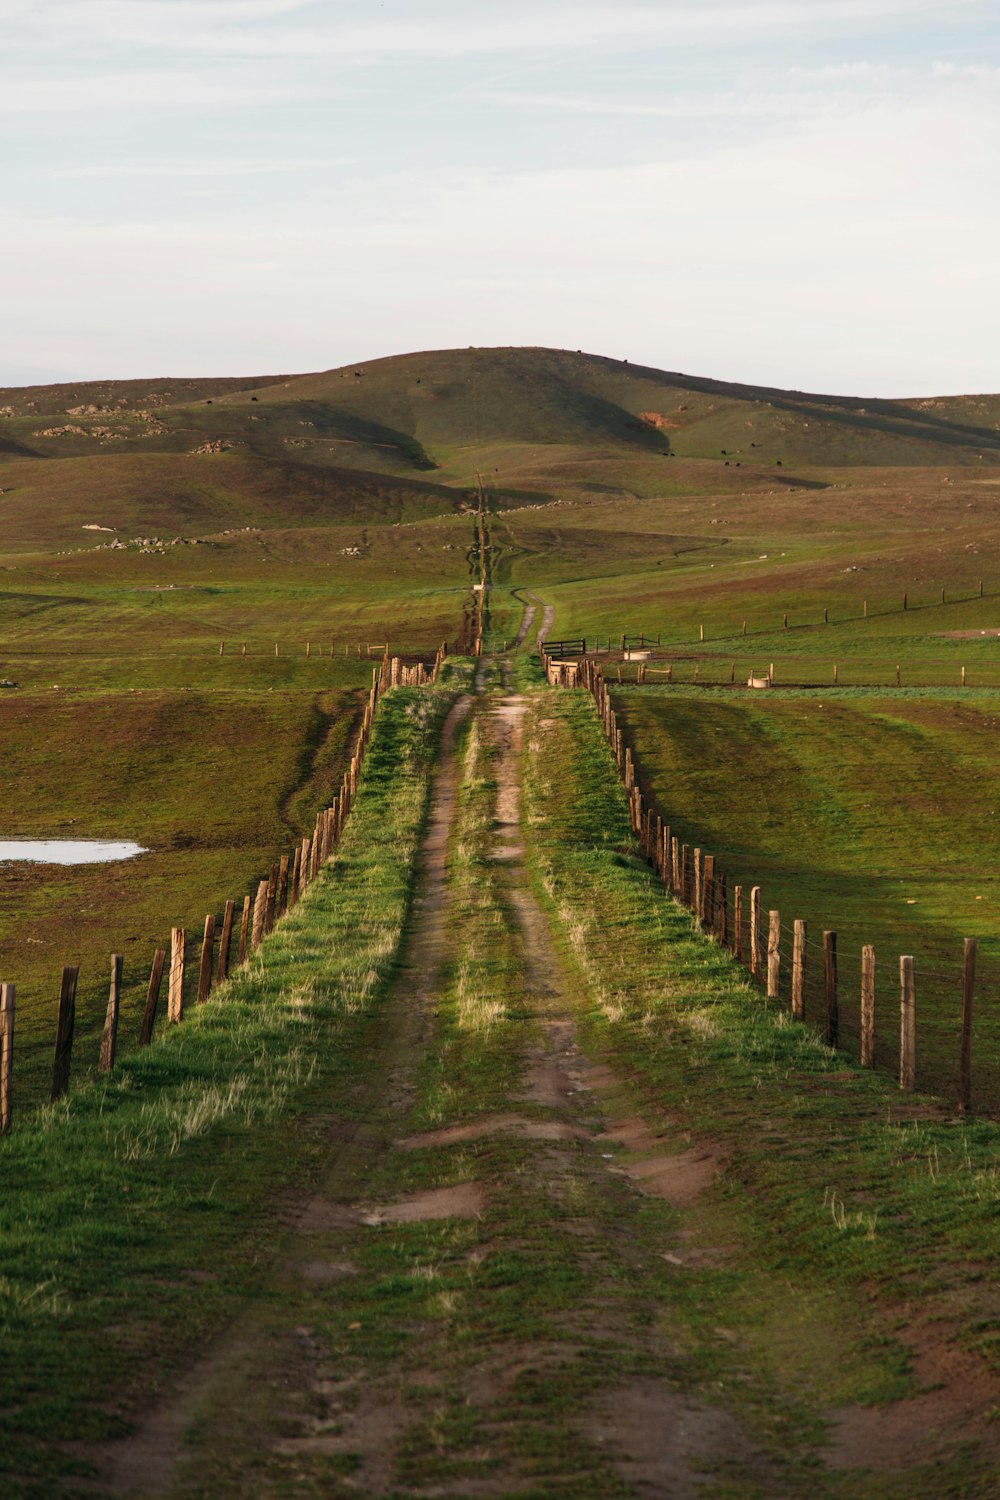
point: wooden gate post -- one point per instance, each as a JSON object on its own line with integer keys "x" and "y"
{"x": 64, "y": 1032}
{"x": 7, "y": 998}
{"x": 968, "y": 985}
{"x": 907, "y": 1024}
{"x": 832, "y": 1034}
{"x": 773, "y": 954}
{"x": 801, "y": 933}
{"x": 152, "y": 997}
{"x": 175, "y": 993}
{"x": 866, "y": 1055}
{"x": 109, "y": 1040}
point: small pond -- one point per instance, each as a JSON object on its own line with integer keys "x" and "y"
{"x": 67, "y": 851}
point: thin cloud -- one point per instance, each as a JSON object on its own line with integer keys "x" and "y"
{"x": 230, "y": 167}
{"x": 290, "y": 28}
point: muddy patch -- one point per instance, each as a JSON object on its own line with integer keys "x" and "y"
{"x": 492, "y": 1125}
{"x": 661, "y": 1441}
{"x": 320, "y": 1214}
{"x": 958, "y": 1405}
{"x": 466, "y": 1200}
{"x": 680, "y": 1180}
{"x": 322, "y": 1271}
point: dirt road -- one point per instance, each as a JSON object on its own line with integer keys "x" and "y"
{"x": 498, "y": 1283}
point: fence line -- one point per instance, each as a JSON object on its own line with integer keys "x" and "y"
{"x": 287, "y": 881}
{"x": 695, "y": 879}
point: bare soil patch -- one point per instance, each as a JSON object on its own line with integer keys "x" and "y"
{"x": 465, "y": 1200}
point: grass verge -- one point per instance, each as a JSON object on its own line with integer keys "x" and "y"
{"x": 137, "y": 1212}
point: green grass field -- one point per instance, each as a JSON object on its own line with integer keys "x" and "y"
{"x": 147, "y": 523}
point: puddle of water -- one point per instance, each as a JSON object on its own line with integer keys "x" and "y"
{"x": 67, "y": 851}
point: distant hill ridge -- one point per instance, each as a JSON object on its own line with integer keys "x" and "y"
{"x": 412, "y": 411}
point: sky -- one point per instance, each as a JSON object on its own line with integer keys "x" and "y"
{"x": 802, "y": 193}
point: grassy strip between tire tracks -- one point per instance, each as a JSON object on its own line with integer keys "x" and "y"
{"x": 867, "y": 1223}
{"x": 136, "y": 1212}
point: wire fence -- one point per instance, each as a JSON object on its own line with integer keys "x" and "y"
{"x": 903, "y": 1004}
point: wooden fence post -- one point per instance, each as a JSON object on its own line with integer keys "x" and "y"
{"x": 282, "y": 895}
{"x": 304, "y": 865}
{"x": 64, "y": 1032}
{"x": 722, "y": 912}
{"x": 773, "y": 954}
{"x": 225, "y": 939}
{"x": 241, "y": 952}
{"x": 175, "y": 993}
{"x": 866, "y": 1054}
{"x": 907, "y": 1024}
{"x": 832, "y": 1034}
{"x": 270, "y": 898}
{"x": 109, "y": 1039}
{"x": 293, "y": 879}
{"x": 738, "y": 923}
{"x": 799, "y": 939}
{"x": 205, "y": 972}
{"x": 259, "y": 908}
{"x": 968, "y": 985}
{"x": 152, "y": 997}
{"x": 708, "y": 892}
{"x": 7, "y": 997}
{"x": 697, "y": 892}
{"x": 755, "y": 954}
{"x": 676, "y": 868}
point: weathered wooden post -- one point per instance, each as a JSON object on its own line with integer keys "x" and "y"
{"x": 207, "y": 950}
{"x": 799, "y": 940}
{"x": 968, "y": 985}
{"x": 832, "y": 1033}
{"x": 676, "y": 867}
{"x": 907, "y": 1024}
{"x": 708, "y": 892}
{"x": 152, "y": 997}
{"x": 241, "y": 951}
{"x": 773, "y": 954}
{"x": 7, "y": 1008}
{"x": 64, "y": 1032}
{"x": 697, "y": 891}
{"x": 738, "y": 923}
{"x": 306, "y": 847}
{"x": 175, "y": 991}
{"x": 270, "y": 898}
{"x": 109, "y": 1039}
{"x": 722, "y": 913}
{"x": 755, "y": 953}
{"x": 866, "y": 1051}
{"x": 259, "y": 909}
{"x": 225, "y": 940}
{"x": 282, "y": 894}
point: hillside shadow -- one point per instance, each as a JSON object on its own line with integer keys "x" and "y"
{"x": 350, "y": 427}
